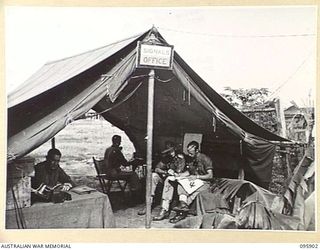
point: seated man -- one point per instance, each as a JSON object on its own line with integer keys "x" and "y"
{"x": 170, "y": 164}
{"x": 169, "y": 185}
{"x": 200, "y": 169}
{"x": 48, "y": 174}
{"x": 114, "y": 160}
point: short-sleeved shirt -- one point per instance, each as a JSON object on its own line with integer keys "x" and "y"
{"x": 200, "y": 165}
{"x": 113, "y": 159}
{"x": 50, "y": 177}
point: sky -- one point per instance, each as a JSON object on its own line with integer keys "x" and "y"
{"x": 239, "y": 47}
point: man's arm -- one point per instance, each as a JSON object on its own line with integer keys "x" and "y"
{"x": 105, "y": 162}
{"x": 65, "y": 180}
{"x": 181, "y": 170}
{"x": 207, "y": 176}
{"x": 38, "y": 177}
{"x": 204, "y": 177}
{"x": 180, "y": 163}
{"x": 160, "y": 168}
{"x": 209, "y": 169}
{"x": 122, "y": 160}
{"x": 183, "y": 174}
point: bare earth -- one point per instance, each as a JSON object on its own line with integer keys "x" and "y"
{"x": 78, "y": 143}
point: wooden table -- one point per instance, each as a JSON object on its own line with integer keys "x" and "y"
{"x": 91, "y": 210}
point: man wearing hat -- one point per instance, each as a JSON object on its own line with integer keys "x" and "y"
{"x": 171, "y": 164}
{"x": 199, "y": 169}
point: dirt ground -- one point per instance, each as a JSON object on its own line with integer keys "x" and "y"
{"x": 78, "y": 143}
{"x": 125, "y": 209}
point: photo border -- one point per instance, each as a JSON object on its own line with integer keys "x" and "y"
{"x": 143, "y": 235}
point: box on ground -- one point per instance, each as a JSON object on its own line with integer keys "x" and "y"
{"x": 19, "y": 174}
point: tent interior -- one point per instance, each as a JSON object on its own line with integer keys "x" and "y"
{"x": 108, "y": 81}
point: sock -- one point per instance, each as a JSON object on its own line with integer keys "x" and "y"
{"x": 165, "y": 204}
{"x": 183, "y": 197}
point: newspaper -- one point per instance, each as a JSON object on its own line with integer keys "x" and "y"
{"x": 189, "y": 185}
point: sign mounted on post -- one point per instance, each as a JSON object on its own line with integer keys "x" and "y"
{"x": 154, "y": 56}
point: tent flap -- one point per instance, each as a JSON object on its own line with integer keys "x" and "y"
{"x": 44, "y": 129}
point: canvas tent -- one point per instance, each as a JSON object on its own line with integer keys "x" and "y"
{"x": 107, "y": 80}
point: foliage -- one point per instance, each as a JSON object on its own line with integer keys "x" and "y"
{"x": 279, "y": 173}
{"x": 298, "y": 183}
{"x": 246, "y": 98}
{"x": 255, "y": 105}
{"x": 266, "y": 119}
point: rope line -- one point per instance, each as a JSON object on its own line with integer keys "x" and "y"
{"x": 117, "y": 104}
{"x": 290, "y": 76}
{"x": 18, "y": 212}
{"x": 239, "y": 36}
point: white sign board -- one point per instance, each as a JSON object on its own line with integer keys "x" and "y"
{"x": 154, "y": 56}
{"x": 188, "y": 137}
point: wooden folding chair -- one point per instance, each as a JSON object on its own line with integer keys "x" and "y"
{"x": 103, "y": 178}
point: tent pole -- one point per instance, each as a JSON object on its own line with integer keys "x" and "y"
{"x": 280, "y": 117}
{"x": 149, "y": 146}
{"x": 53, "y": 142}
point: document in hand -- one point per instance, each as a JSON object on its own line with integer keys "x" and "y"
{"x": 189, "y": 186}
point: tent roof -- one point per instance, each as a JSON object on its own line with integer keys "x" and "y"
{"x": 107, "y": 80}
{"x": 56, "y": 72}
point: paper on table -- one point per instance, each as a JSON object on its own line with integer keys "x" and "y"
{"x": 83, "y": 189}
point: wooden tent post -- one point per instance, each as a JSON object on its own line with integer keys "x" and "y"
{"x": 53, "y": 143}
{"x": 281, "y": 117}
{"x": 289, "y": 171}
{"x": 149, "y": 147}
{"x": 241, "y": 170}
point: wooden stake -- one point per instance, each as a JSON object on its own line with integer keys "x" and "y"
{"x": 289, "y": 171}
{"x": 281, "y": 118}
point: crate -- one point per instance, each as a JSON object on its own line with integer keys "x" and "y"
{"x": 22, "y": 191}
{"x": 19, "y": 174}
{"x": 20, "y": 168}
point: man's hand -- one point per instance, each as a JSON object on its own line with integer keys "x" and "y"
{"x": 192, "y": 177}
{"x": 170, "y": 172}
{"x": 66, "y": 187}
{"x": 41, "y": 189}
